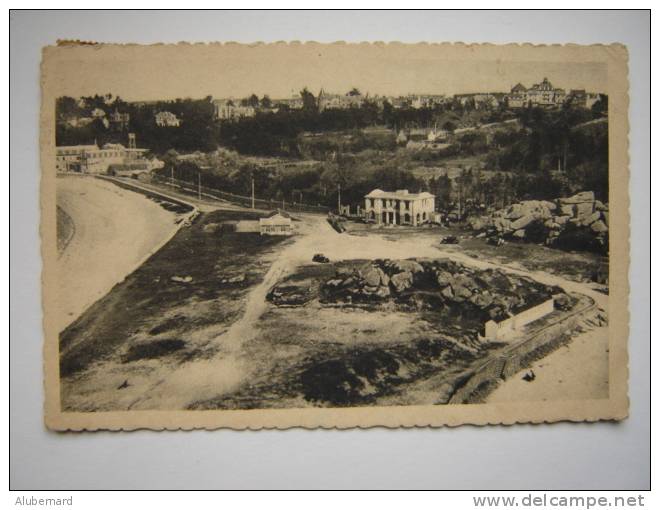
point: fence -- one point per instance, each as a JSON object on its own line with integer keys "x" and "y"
{"x": 215, "y": 194}
{"x": 511, "y": 361}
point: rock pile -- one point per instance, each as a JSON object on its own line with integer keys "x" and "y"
{"x": 436, "y": 285}
{"x": 579, "y": 222}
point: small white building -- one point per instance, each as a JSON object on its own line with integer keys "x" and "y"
{"x": 399, "y": 207}
{"x": 276, "y": 223}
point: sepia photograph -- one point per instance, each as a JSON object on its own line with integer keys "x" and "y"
{"x": 278, "y": 235}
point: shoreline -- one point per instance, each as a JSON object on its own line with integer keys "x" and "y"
{"x": 114, "y": 219}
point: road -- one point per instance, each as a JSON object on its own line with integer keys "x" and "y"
{"x": 114, "y": 229}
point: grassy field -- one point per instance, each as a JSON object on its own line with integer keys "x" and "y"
{"x": 197, "y": 280}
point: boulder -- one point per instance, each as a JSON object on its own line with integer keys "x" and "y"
{"x": 561, "y": 220}
{"x": 522, "y": 222}
{"x": 383, "y": 292}
{"x": 578, "y": 198}
{"x": 479, "y": 222}
{"x": 514, "y": 212}
{"x": 374, "y": 276}
{"x": 463, "y": 280}
{"x": 239, "y": 278}
{"x": 398, "y": 266}
{"x": 584, "y": 209}
{"x": 447, "y": 292}
{"x": 606, "y": 217}
{"x": 536, "y": 208}
{"x": 461, "y": 293}
{"x": 402, "y": 281}
{"x": 591, "y": 218}
{"x": 519, "y": 234}
{"x": 551, "y": 206}
{"x": 599, "y": 227}
{"x": 600, "y": 206}
{"x": 444, "y": 278}
{"x": 567, "y": 209}
{"x": 481, "y": 300}
{"x": 502, "y": 224}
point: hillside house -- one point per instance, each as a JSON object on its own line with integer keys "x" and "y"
{"x": 167, "y": 119}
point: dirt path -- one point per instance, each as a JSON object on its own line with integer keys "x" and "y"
{"x": 113, "y": 229}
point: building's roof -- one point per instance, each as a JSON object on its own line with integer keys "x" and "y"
{"x": 399, "y": 194}
{"x": 276, "y": 212}
{"x": 77, "y": 147}
{"x": 519, "y": 88}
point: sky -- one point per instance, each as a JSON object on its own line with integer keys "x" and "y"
{"x": 141, "y": 73}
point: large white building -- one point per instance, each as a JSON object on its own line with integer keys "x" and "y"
{"x": 93, "y": 159}
{"x": 399, "y": 207}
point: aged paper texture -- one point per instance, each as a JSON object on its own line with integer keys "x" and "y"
{"x": 333, "y": 235}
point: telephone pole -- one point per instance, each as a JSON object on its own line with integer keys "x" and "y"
{"x": 253, "y": 193}
{"x": 199, "y": 185}
{"x": 339, "y": 198}
{"x": 172, "y": 175}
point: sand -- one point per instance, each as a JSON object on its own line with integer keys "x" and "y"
{"x": 114, "y": 229}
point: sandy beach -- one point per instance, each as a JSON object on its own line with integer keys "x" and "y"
{"x": 114, "y": 229}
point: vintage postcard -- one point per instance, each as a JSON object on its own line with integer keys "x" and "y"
{"x": 333, "y": 235}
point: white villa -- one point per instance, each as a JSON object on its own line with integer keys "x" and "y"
{"x": 399, "y": 207}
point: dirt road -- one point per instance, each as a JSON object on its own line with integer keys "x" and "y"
{"x": 114, "y": 229}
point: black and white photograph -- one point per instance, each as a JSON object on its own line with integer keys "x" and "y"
{"x": 380, "y": 234}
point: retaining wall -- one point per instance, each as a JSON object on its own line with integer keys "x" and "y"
{"x": 511, "y": 360}
{"x": 498, "y": 330}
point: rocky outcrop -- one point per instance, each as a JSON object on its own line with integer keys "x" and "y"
{"x": 579, "y": 222}
{"x": 440, "y": 285}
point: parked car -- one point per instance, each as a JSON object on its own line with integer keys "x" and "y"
{"x": 320, "y": 258}
{"x": 449, "y": 240}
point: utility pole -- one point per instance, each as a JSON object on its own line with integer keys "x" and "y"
{"x": 199, "y": 185}
{"x": 339, "y": 198}
{"x": 172, "y": 175}
{"x": 253, "y": 193}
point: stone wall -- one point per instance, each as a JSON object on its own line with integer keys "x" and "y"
{"x": 499, "y": 330}
{"x": 510, "y": 361}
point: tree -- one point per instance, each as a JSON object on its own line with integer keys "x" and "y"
{"x": 266, "y": 102}
{"x": 253, "y": 101}
{"x": 309, "y": 101}
{"x": 449, "y": 126}
{"x": 354, "y": 92}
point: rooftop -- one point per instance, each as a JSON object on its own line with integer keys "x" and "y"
{"x": 400, "y": 194}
